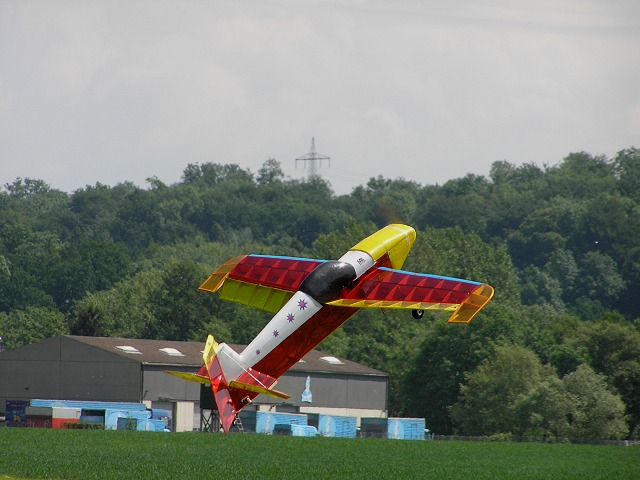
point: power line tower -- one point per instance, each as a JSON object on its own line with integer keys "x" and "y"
{"x": 313, "y": 159}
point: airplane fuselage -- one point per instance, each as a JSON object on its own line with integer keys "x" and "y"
{"x": 302, "y": 316}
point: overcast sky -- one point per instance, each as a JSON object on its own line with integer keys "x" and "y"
{"x": 113, "y": 91}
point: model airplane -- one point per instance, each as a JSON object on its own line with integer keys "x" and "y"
{"x": 312, "y": 298}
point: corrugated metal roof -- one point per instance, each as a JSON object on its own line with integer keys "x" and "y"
{"x": 163, "y": 352}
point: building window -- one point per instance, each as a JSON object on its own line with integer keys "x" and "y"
{"x": 332, "y": 360}
{"x": 129, "y": 349}
{"x": 172, "y": 352}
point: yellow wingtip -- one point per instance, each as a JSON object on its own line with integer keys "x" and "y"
{"x": 217, "y": 278}
{"x": 472, "y": 305}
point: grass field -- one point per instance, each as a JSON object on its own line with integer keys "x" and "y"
{"x": 83, "y": 454}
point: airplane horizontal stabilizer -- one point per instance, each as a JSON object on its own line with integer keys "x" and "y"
{"x": 258, "y": 389}
{"x": 233, "y": 385}
{"x": 192, "y": 377}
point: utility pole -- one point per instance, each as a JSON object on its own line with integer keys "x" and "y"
{"x": 313, "y": 159}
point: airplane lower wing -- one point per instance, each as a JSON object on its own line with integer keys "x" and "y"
{"x": 388, "y": 288}
{"x": 266, "y": 282}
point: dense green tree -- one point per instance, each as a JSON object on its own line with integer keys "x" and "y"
{"x": 85, "y": 267}
{"x": 552, "y": 334}
{"x": 32, "y": 268}
{"x": 517, "y": 191}
{"x": 538, "y": 287}
{"x": 544, "y": 231}
{"x": 626, "y": 167}
{"x": 30, "y": 325}
{"x": 390, "y": 201}
{"x": 609, "y": 224}
{"x": 125, "y": 310}
{"x": 432, "y": 383}
{"x": 22, "y": 188}
{"x": 614, "y": 351}
{"x": 563, "y": 267}
{"x": 581, "y": 175}
{"x": 596, "y": 412}
{"x": 93, "y": 211}
{"x": 137, "y": 224}
{"x": 22, "y": 290}
{"x": 5, "y": 272}
{"x": 89, "y": 322}
{"x": 543, "y": 412}
{"x": 270, "y": 173}
{"x": 179, "y": 309}
{"x": 209, "y": 174}
{"x": 460, "y": 202}
{"x": 510, "y": 393}
{"x": 599, "y": 278}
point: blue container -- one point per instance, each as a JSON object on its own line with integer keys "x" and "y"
{"x": 124, "y": 419}
{"x": 266, "y": 421}
{"x": 151, "y": 425}
{"x": 405, "y": 428}
{"x": 335, "y": 426}
{"x": 303, "y": 431}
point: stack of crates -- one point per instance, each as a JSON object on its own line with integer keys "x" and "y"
{"x": 336, "y": 426}
{"x": 406, "y": 428}
{"x": 266, "y": 421}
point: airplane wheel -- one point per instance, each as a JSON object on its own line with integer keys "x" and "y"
{"x": 417, "y": 314}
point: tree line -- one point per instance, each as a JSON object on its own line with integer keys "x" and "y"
{"x": 555, "y": 355}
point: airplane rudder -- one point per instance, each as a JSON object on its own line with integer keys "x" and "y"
{"x": 395, "y": 240}
{"x": 210, "y": 350}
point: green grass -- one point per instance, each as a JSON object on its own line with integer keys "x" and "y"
{"x": 82, "y": 454}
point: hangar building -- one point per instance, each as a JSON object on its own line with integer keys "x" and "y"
{"x": 71, "y": 367}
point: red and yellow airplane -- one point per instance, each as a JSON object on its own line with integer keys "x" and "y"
{"x": 311, "y": 299}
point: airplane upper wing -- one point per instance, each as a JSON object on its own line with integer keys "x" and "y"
{"x": 262, "y": 281}
{"x": 387, "y": 288}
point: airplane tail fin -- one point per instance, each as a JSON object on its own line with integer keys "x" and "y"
{"x": 233, "y": 384}
{"x": 393, "y": 241}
